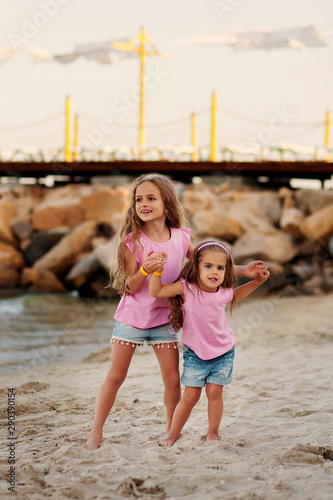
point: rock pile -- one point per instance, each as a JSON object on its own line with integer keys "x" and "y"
{"x": 59, "y": 239}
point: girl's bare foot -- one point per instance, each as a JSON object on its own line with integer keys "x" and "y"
{"x": 93, "y": 441}
{"x": 211, "y": 437}
{"x": 167, "y": 442}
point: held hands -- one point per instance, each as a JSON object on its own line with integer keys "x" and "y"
{"x": 253, "y": 269}
{"x": 262, "y": 275}
{"x": 154, "y": 262}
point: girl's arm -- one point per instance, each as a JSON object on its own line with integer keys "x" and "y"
{"x": 135, "y": 281}
{"x": 156, "y": 289}
{"x": 251, "y": 270}
{"x": 243, "y": 291}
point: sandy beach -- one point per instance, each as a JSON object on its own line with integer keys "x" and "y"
{"x": 276, "y": 433}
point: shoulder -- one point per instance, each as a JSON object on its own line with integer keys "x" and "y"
{"x": 227, "y": 294}
{"x": 180, "y": 235}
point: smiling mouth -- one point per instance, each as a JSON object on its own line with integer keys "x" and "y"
{"x": 213, "y": 279}
{"x": 146, "y": 211}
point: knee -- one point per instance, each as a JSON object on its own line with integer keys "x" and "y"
{"x": 214, "y": 392}
{"x": 115, "y": 378}
{"x": 191, "y": 398}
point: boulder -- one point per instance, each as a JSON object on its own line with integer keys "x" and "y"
{"x": 217, "y": 224}
{"x": 9, "y": 275}
{"x": 62, "y": 256}
{"x": 278, "y": 247}
{"x": 47, "y": 282}
{"x": 314, "y": 200}
{"x": 291, "y": 218}
{"x": 318, "y": 225}
{"x": 101, "y": 204}
{"x": 11, "y": 261}
{"x": 9, "y": 255}
{"x": 29, "y": 276}
{"x": 41, "y": 242}
{"x": 7, "y": 213}
{"x": 195, "y": 199}
{"x": 82, "y": 271}
{"x": 52, "y": 213}
{"x": 287, "y": 197}
{"x": 106, "y": 256}
{"x": 21, "y": 229}
{"x": 264, "y": 204}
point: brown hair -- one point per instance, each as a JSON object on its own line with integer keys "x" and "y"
{"x": 175, "y": 217}
{"x": 190, "y": 273}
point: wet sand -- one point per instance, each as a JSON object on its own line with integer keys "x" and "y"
{"x": 276, "y": 433}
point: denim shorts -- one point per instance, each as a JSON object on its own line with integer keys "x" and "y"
{"x": 158, "y": 335}
{"x": 198, "y": 372}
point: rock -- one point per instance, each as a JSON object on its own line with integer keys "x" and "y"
{"x": 314, "y": 200}
{"x": 328, "y": 277}
{"x": 291, "y": 218}
{"x": 195, "y": 199}
{"x": 9, "y": 255}
{"x": 47, "y": 281}
{"x": 106, "y": 255}
{"x": 82, "y": 271}
{"x": 62, "y": 256}
{"x": 9, "y": 275}
{"x": 318, "y": 225}
{"x": 217, "y": 224}
{"x": 101, "y": 204}
{"x": 11, "y": 261}
{"x": 278, "y": 247}
{"x": 29, "y": 276}
{"x": 287, "y": 197}
{"x": 7, "y": 213}
{"x": 264, "y": 204}
{"x": 64, "y": 211}
{"x": 314, "y": 285}
{"x": 21, "y": 229}
{"x": 116, "y": 220}
{"x": 41, "y": 242}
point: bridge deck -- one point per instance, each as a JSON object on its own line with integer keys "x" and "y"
{"x": 180, "y": 170}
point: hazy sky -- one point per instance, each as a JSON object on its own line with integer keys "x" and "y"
{"x": 253, "y": 87}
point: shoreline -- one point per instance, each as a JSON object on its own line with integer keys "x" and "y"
{"x": 276, "y": 433}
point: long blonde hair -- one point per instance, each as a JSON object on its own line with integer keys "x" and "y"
{"x": 190, "y": 273}
{"x": 175, "y": 217}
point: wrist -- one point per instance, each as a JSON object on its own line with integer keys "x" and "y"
{"x": 143, "y": 271}
{"x": 158, "y": 274}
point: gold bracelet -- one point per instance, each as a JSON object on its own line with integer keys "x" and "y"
{"x": 157, "y": 274}
{"x": 144, "y": 272}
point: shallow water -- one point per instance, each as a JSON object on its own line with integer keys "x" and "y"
{"x": 44, "y": 328}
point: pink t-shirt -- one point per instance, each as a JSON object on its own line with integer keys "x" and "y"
{"x": 205, "y": 329}
{"x": 140, "y": 309}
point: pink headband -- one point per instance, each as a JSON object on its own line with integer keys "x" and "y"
{"x": 214, "y": 243}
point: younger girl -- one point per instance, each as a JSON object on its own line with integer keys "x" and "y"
{"x": 197, "y": 305}
{"x": 153, "y": 223}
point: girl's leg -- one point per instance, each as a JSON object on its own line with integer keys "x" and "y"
{"x": 121, "y": 356}
{"x": 168, "y": 358}
{"x": 183, "y": 410}
{"x": 215, "y": 410}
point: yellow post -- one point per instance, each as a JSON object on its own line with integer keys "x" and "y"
{"x": 137, "y": 44}
{"x": 76, "y": 137}
{"x": 194, "y": 142}
{"x": 213, "y": 144}
{"x": 142, "y": 73}
{"x": 68, "y": 151}
{"x": 327, "y": 134}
